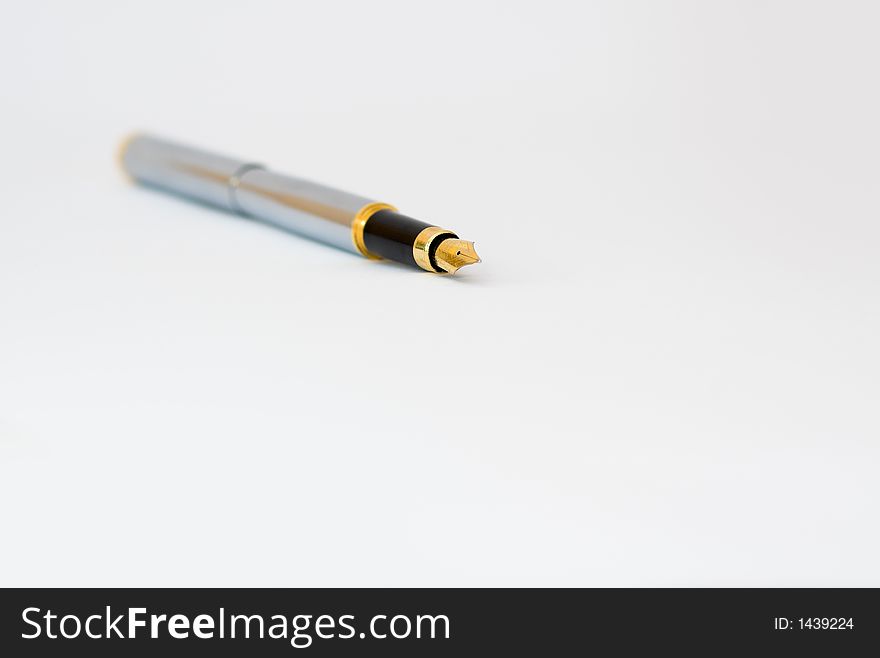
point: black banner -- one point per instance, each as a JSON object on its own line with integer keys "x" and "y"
{"x": 398, "y": 622}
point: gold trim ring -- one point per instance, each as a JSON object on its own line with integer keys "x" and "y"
{"x": 360, "y": 221}
{"x": 422, "y": 246}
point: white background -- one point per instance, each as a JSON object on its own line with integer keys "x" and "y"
{"x": 665, "y": 371}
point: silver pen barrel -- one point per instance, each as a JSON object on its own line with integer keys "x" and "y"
{"x": 294, "y": 204}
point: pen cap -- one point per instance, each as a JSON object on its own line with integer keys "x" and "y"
{"x": 316, "y": 211}
{"x": 190, "y": 172}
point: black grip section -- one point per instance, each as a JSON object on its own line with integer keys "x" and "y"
{"x": 391, "y": 235}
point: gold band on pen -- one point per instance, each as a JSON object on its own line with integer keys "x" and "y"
{"x": 360, "y": 221}
{"x": 422, "y": 246}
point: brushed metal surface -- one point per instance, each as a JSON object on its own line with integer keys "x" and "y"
{"x": 294, "y": 204}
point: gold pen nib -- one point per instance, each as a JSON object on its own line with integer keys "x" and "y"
{"x": 453, "y": 254}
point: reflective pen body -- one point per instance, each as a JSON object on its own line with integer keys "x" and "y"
{"x": 348, "y": 221}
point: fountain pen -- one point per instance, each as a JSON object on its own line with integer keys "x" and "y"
{"x": 354, "y": 223}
